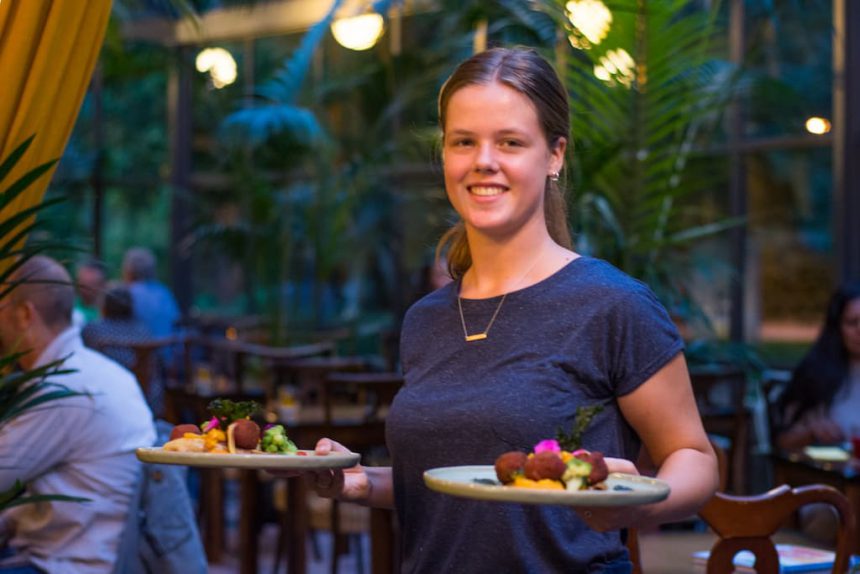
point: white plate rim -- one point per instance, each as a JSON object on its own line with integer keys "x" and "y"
{"x": 645, "y": 490}
{"x": 157, "y": 455}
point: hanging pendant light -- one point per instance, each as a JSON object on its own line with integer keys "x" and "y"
{"x": 359, "y": 30}
{"x": 220, "y": 65}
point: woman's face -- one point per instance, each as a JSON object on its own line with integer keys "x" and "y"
{"x": 496, "y": 159}
{"x": 851, "y": 328}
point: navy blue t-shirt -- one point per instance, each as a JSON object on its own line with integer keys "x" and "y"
{"x": 585, "y": 335}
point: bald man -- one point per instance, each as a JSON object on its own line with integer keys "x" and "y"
{"x": 81, "y": 446}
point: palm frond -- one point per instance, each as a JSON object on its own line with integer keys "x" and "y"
{"x": 633, "y": 144}
{"x": 22, "y": 391}
{"x": 15, "y": 496}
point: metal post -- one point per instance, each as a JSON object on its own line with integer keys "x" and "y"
{"x": 179, "y": 130}
{"x": 846, "y": 137}
{"x": 737, "y": 179}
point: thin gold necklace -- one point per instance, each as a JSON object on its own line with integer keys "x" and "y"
{"x": 483, "y": 335}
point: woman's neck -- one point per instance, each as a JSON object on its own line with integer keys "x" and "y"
{"x": 502, "y": 267}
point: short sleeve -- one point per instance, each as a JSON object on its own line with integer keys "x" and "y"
{"x": 643, "y": 339}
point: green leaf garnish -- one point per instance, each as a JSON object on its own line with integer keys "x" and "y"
{"x": 573, "y": 441}
{"x": 228, "y": 411}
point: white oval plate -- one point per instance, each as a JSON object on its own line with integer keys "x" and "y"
{"x": 307, "y": 461}
{"x": 623, "y": 489}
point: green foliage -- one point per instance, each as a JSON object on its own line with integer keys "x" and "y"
{"x": 21, "y": 391}
{"x": 572, "y": 440}
{"x": 227, "y": 411}
{"x": 319, "y": 219}
{"x": 636, "y": 202}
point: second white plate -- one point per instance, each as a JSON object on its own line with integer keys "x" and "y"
{"x": 479, "y": 482}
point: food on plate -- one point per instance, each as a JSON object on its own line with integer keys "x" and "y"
{"x": 275, "y": 441}
{"x": 230, "y": 430}
{"x": 553, "y": 468}
{"x": 244, "y": 433}
{"x": 509, "y": 465}
{"x": 180, "y": 430}
{"x": 557, "y": 463}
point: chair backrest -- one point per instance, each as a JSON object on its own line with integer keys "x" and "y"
{"x": 748, "y": 522}
{"x": 375, "y": 391}
{"x": 632, "y": 541}
{"x": 720, "y": 393}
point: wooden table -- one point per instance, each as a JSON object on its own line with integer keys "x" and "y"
{"x": 348, "y": 429}
{"x": 796, "y": 469}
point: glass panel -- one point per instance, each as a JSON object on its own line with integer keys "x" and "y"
{"x": 791, "y": 241}
{"x": 789, "y": 60}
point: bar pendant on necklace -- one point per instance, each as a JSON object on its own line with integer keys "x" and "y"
{"x": 476, "y": 337}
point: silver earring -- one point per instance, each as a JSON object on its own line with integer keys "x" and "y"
{"x": 553, "y": 176}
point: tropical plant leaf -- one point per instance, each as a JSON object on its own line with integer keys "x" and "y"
{"x": 634, "y": 137}
{"x": 21, "y": 391}
{"x": 15, "y": 496}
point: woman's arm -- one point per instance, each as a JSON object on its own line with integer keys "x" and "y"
{"x": 367, "y": 485}
{"x": 664, "y": 414}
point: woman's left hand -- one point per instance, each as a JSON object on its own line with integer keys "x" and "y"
{"x": 605, "y": 518}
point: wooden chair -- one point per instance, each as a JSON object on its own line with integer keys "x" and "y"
{"x": 721, "y": 397}
{"x": 375, "y": 391}
{"x": 182, "y": 406}
{"x": 140, "y": 356}
{"x": 748, "y": 522}
{"x": 365, "y": 434}
{"x": 633, "y": 534}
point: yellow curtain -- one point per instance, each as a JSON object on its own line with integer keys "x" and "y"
{"x": 48, "y": 50}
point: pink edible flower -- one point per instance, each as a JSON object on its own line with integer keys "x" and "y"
{"x": 213, "y": 423}
{"x": 549, "y": 444}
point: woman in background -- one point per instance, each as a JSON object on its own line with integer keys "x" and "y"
{"x": 821, "y": 404}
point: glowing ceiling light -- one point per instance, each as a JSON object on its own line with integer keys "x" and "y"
{"x": 817, "y": 126}
{"x": 591, "y": 20}
{"x": 220, "y": 65}
{"x": 616, "y": 66}
{"x": 358, "y": 32}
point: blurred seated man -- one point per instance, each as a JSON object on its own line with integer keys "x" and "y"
{"x": 90, "y": 279}
{"x": 81, "y": 446}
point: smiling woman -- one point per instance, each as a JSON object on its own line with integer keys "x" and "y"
{"x": 568, "y": 332}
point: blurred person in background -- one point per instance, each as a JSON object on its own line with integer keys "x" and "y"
{"x": 113, "y": 335}
{"x": 821, "y": 403}
{"x": 153, "y": 303}
{"x": 81, "y": 446}
{"x": 90, "y": 282}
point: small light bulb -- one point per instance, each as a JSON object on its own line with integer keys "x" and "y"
{"x": 817, "y": 126}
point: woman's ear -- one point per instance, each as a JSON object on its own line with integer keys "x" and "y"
{"x": 557, "y": 155}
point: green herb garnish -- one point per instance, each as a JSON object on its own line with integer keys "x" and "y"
{"x": 584, "y": 416}
{"x": 227, "y": 411}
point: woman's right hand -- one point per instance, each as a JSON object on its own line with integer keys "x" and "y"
{"x": 349, "y": 484}
{"x": 822, "y": 429}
